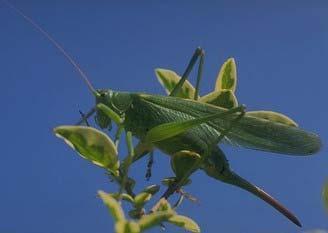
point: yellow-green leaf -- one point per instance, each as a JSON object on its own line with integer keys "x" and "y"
{"x": 91, "y": 144}
{"x": 153, "y": 219}
{"x": 224, "y": 99}
{"x": 227, "y": 77}
{"x": 169, "y": 79}
{"x": 162, "y": 205}
{"x": 113, "y": 206}
{"x": 152, "y": 189}
{"x": 325, "y": 195}
{"x": 141, "y": 199}
{"x": 183, "y": 162}
{"x": 273, "y": 116}
{"x": 124, "y": 196}
{"x": 185, "y": 222}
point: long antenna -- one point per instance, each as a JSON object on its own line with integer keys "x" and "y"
{"x": 55, "y": 43}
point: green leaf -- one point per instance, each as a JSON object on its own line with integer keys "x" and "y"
{"x": 273, "y": 116}
{"x": 168, "y": 79}
{"x": 325, "y": 195}
{"x": 227, "y": 77}
{"x": 224, "y": 99}
{"x": 152, "y": 189}
{"x": 162, "y": 205}
{"x": 141, "y": 199}
{"x": 91, "y": 144}
{"x": 183, "y": 162}
{"x": 153, "y": 219}
{"x": 113, "y": 206}
{"x": 185, "y": 222}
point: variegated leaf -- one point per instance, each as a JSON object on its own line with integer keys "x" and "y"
{"x": 185, "y": 222}
{"x": 227, "y": 77}
{"x": 224, "y": 99}
{"x": 273, "y": 116}
{"x": 153, "y": 219}
{"x": 91, "y": 144}
{"x": 169, "y": 79}
{"x": 141, "y": 199}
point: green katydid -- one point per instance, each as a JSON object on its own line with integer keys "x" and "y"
{"x": 155, "y": 119}
{"x": 173, "y": 125}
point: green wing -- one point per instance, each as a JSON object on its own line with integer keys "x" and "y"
{"x": 261, "y": 134}
{"x": 250, "y": 132}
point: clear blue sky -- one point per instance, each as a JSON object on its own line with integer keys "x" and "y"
{"x": 281, "y": 50}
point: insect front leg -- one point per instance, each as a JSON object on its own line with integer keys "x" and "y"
{"x": 118, "y": 135}
{"x": 116, "y": 118}
{"x": 141, "y": 149}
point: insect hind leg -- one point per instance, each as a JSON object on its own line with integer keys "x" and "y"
{"x": 199, "y": 73}
{"x": 199, "y": 53}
